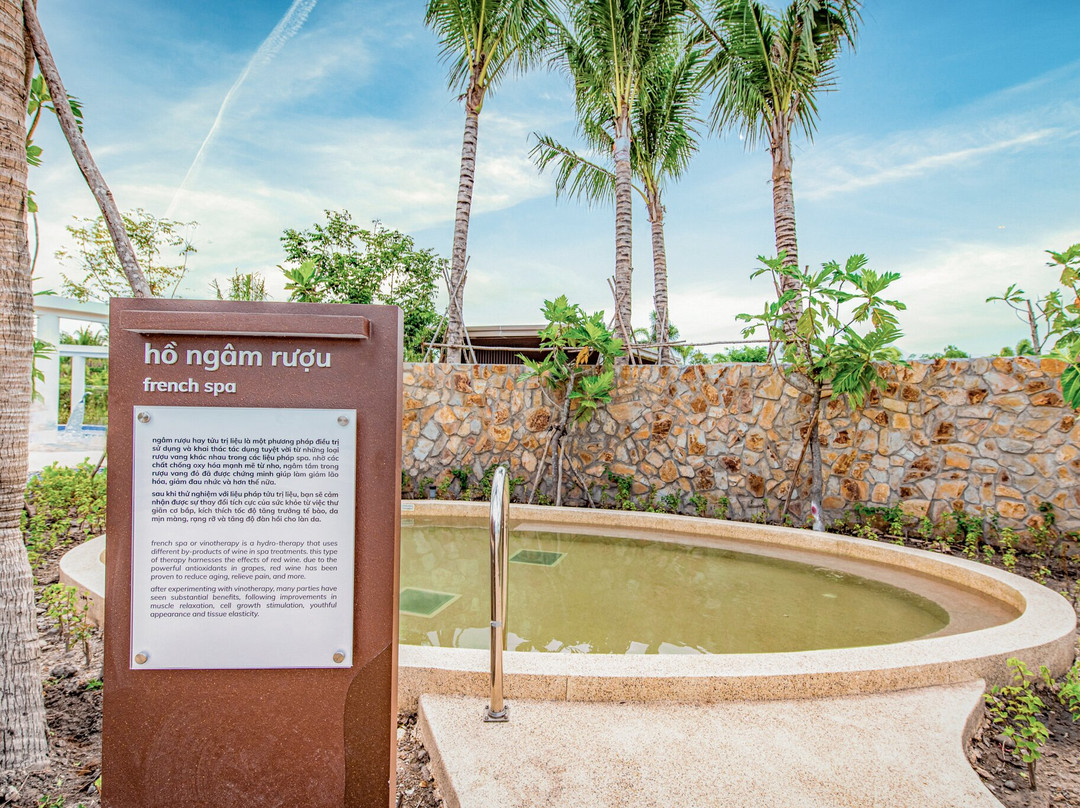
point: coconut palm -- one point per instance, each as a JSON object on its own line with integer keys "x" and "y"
{"x": 663, "y": 140}
{"x": 609, "y": 48}
{"x": 22, "y": 716}
{"x": 766, "y": 71}
{"x": 482, "y": 40}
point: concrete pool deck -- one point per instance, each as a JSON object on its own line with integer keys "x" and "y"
{"x": 893, "y": 750}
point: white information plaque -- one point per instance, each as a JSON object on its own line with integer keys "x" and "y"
{"x": 242, "y": 541}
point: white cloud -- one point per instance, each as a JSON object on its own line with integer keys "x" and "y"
{"x": 946, "y": 288}
{"x": 894, "y": 162}
{"x": 1016, "y": 121}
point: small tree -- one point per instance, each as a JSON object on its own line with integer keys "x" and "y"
{"x": 948, "y": 352}
{"x": 1066, "y": 323}
{"x": 1054, "y": 317}
{"x": 824, "y": 346}
{"x": 575, "y": 388}
{"x": 103, "y": 276}
{"x": 340, "y": 262}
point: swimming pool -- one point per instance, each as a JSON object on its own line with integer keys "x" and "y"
{"x": 992, "y": 615}
{"x": 633, "y": 592}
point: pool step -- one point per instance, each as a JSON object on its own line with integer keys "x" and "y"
{"x": 424, "y": 602}
{"x": 539, "y": 558}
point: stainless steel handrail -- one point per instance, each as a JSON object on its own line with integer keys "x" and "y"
{"x": 500, "y": 562}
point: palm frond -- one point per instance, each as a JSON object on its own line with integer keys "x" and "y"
{"x": 574, "y": 175}
{"x": 665, "y": 124}
{"x": 482, "y": 40}
{"x": 609, "y": 44}
{"x": 765, "y": 68}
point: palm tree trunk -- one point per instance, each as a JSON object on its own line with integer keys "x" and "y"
{"x": 784, "y": 209}
{"x": 455, "y": 320}
{"x": 22, "y": 709}
{"x": 623, "y": 233}
{"x": 98, "y": 187}
{"x": 660, "y": 287}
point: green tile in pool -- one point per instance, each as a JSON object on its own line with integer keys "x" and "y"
{"x": 541, "y": 558}
{"x": 424, "y": 602}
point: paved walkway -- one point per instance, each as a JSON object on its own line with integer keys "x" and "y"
{"x": 51, "y": 447}
{"x": 894, "y": 750}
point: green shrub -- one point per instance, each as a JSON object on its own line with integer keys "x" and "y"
{"x": 57, "y": 500}
{"x": 68, "y": 608}
{"x": 623, "y": 485}
{"x": 1016, "y": 709}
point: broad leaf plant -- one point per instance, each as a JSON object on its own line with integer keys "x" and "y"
{"x": 844, "y": 329}
{"x": 577, "y": 377}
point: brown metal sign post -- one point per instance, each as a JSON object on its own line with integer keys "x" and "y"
{"x": 252, "y": 565}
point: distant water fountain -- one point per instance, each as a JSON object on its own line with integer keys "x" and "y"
{"x": 73, "y": 430}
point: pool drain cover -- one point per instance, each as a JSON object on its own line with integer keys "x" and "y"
{"x": 424, "y": 602}
{"x": 541, "y": 558}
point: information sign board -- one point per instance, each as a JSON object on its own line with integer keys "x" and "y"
{"x": 242, "y": 534}
{"x": 254, "y": 474}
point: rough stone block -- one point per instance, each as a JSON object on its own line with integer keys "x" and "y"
{"x": 1048, "y": 399}
{"x": 537, "y": 419}
{"x": 704, "y": 479}
{"x": 1014, "y": 446}
{"x": 1012, "y": 510}
{"x": 915, "y": 507}
{"x": 853, "y": 490}
{"x": 949, "y": 489}
{"x": 957, "y": 461}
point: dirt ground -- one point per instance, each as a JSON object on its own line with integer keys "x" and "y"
{"x": 1057, "y": 775}
{"x": 73, "y": 705}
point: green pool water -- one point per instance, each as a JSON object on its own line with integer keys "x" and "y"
{"x": 603, "y": 595}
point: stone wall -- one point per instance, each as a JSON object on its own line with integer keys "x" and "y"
{"x": 990, "y": 434}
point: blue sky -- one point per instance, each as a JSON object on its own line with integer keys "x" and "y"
{"x": 948, "y": 153}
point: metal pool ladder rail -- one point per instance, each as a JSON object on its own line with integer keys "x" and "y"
{"x": 500, "y": 564}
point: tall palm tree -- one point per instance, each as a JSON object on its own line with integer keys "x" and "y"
{"x": 22, "y": 714}
{"x": 766, "y": 70}
{"x": 664, "y": 132}
{"x": 609, "y": 48}
{"x": 482, "y": 40}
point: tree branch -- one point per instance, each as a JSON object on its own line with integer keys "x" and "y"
{"x": 81, "y": 153}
